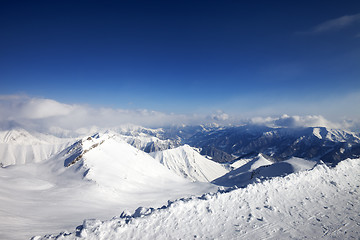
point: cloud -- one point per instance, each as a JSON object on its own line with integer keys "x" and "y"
{"x": 220, "y": 116}
{"x": 44, "y": 108}
{"x": 334, "y": 24}
{"x": 338, "y": 23}
{"x": 14, "y": 107}
{"x": 295, "y": 121}
{"x": 50, "y": 116}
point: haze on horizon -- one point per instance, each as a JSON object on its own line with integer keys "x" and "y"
{"x": 188, "y": 58}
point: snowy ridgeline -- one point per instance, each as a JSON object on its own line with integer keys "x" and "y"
{"x": 221, "y": 144}
{"x": 319, "y": 203}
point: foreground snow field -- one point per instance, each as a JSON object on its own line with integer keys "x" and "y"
{"x": 318, "y": 203}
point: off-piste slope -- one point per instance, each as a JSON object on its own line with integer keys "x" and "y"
{"x": 319, "y": 203}
{"x": 261, "y": 167}
{"x": 18, "y": 146}
{"x": 96, "y": 176}
{"x": 188, "y": 163}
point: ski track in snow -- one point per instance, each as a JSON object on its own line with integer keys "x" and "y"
{"x": 319, "y": 203}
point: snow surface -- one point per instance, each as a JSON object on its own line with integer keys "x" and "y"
{"x": 185, "y": 161}
{"x": 100, "y": 176}
{"x": 239, "y": 163}
{"x": 148, "y": 143}
{"x": 107, "y": 178}
{"x": 316, "y": 132}
{"x": 319, "y": 203}
{"x": 261, "y": 167}
{"x": 113, "y": 163}
{"x": 18, "y": 146}
{"x": 337, "y": 135}
{"x": 334, "y": 135}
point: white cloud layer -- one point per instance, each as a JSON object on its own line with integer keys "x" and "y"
{"x": 335, "y": 24}
{"x": 295, "y": 121}
{"x": 220, "y": 116}
{"x": 50, "y": 116}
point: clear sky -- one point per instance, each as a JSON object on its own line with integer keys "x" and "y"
{"x": 240, "y": 57}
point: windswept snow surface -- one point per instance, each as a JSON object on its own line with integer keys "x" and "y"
{"x": 96, "y": 177}
{"x": 243, "y": 174}
{"x": 260, "y": 167}
{"x": 319, "y": 203}
{"x": 185, "y": 161}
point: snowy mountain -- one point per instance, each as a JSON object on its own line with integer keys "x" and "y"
{"x": 18, "y": 146}
{"x": 188, "y": 163}
{"x": 148, "y": 143}
{"x": 94, "y": 177}
{"x": 109, "y": 161}
{"x": 51, "y": 184}
{"x": 230, "y": 143}
{"x": 262, "y": 168}
{"x": 145, "y": 139}
{"x": 317, "y": 204}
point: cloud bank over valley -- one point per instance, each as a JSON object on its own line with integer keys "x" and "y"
{"x": 50, "y": 116}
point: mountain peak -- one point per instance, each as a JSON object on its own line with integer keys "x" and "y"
{"x": 111, "y": 162}
{"x": 83, "y": 146}
{"x": 187, "y": 162}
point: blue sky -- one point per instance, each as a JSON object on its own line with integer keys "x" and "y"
{"x": 256, "y": 57}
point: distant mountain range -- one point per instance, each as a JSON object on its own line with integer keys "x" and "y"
{"x": 315, "y": 143}
{"x": 218, "y": 143}
{"x": 228, "y": 144}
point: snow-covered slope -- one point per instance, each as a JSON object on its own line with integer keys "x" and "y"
{"x": 318, "y": 204}
{"x": 260, "y": 167}
{"x": 337, "y": 135}
{"x": 111, "y": 162}
{"x": 149, "y": 143}
{"x": 188, "y": 163}
{"x": 95, "y": 177}
{"x": 334, "y": 135}
{"x": 18, "y": 146}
